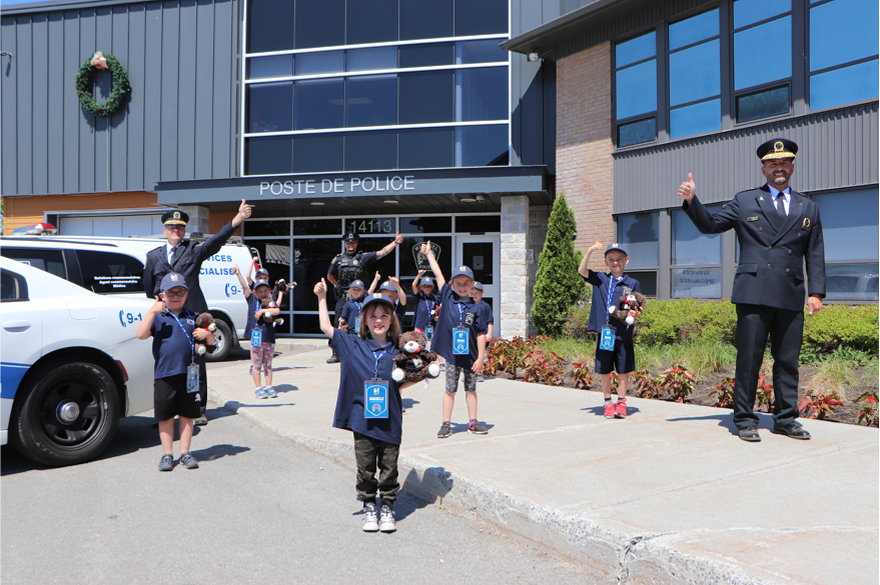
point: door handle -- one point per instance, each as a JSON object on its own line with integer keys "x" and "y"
{"x": 16, "y": 326}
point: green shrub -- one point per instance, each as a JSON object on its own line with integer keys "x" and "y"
{"x": 854, "y": 327}
{"x": 576, "y": 324}
{"x": 677, "y": 321}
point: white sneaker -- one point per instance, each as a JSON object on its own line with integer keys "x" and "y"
{"x": 261, "y": 393}
{"x": 271, "y": 392}
{"x": 371, "y": 522}
{"x": 386, "y": 522}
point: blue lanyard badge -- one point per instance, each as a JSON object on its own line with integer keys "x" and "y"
{"x": 256, "y": 338}
{"x": 609, "y": 305}
{"x": 188, "y": 335}
{"x": 376, "y": 394}
{"x": 460, "y": 337}
{"x": 429, "y": 333}
{"x": 192, "y": 370}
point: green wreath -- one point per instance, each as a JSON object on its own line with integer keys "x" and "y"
{"x": 121, "y": 87}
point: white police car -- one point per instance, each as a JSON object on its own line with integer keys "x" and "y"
{"x": 71, "y": 365}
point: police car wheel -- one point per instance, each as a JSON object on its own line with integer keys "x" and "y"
{"x": 224, "y": 341}
{"x": 68, "y": 414}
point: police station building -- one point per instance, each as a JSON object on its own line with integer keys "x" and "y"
{"x": 329, "y": 116}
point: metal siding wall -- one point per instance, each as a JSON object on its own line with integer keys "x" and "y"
{"x": 180, "y": 121}
{"x": 838, "y": 149}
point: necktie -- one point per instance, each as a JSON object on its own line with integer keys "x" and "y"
{"x": 780, "y": 206}
{"x": 175, "y": 254}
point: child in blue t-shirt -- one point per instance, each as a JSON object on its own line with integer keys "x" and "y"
{"x": 366, "y": 363}
{"x": 460, "y": 339}
{"x": 487, "y": 316}
{"x": 391, "y": 288}
{"x": 350, "y": 318}
{"x": 607, "y": 290}
{"x": 173, "y": 330}
{"x": 261, "y": 333}
{"x": 425, "y": 317}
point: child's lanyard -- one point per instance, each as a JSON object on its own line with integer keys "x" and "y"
{"x": 429, "y": 304}
{"x": 460, "y": 313}
{"x": 379, "y": 357}
{"x": 611, "y": 287}
{"x": 189, "y": 337}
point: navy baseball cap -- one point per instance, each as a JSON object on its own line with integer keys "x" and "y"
{"x": 388, "y": 286}
{"x": 478, "y": 285}
{"x": 358, "y": 284}
{"x": 427, "y": 281}
{"x": 260, "y": 283}
{"x": 171, "y": 280}
{"x": 262, "y": 271}
{"x": 617, "y": 247}
{"x": 377, "y": 298}
{"x": 462, "y": 271}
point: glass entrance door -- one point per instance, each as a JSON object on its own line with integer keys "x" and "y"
{"x": 482, "y": 254}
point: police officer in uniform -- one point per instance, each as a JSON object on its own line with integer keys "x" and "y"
{"x": 349, "y": 266}
{"x": 779, "y": 231}
{"x": 185, "y": 257}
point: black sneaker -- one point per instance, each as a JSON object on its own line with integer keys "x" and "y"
{"x": 189, "y": 461}
{"x": 445, "y": 431}
{"x": 386, "y": 519}
{"x": 333, "y": 359}
{"x": 477, "y": 428}
{"x": 166, "y": 463}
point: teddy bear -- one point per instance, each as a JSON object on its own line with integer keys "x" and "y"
{"x": 282, "y": 286}
{"x": 268, "y": 318}
{"x": 633, "y": 301}
{"x": 414, "y": 363}
{"x": 205, "y": 321}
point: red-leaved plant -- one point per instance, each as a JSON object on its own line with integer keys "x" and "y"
{"x": 724, "y": 393}
{"x": 678, "y": 382}
{"x": 765, "y": 393}
{"x": 582, "y": 376}
{"x": 818, "y": 405}
{"x": 644, "y": 386}
{"x": 868, "y": 412}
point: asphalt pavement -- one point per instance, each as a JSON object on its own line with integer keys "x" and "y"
{"x": 668, "y": 495}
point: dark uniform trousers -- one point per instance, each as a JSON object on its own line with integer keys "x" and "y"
{"x": 187, "y": 262}
{"x": 768, "y": 290}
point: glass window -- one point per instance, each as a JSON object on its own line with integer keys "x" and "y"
{"x": 689, "y": 246}
{"x": 844, "y": 85}
{"x": 109, "y": 272}
{"x": 695, "y": 119}
{"x": 637, "y": 132}
{"x": 426, "y": 20}
{"x": 371, "y": 21}
{"x": 371, "y": 101}
{"x": 428, "y": 148}
{"x": 763, "y": 104}
{"x": 850, "y": 217}
{"x": 427, "y": 55}
{"x": 856, "y": 20}
{"x": 699, "y": 283}
{"x": 317, "y": 153}
{"x": 14, "y": 287}
{"x": 481, "y": 146}
{"x": 483, "y": 94}
{"x": 366, "y": 151}
{"x": 318, "y": 104}
{"x": 746, "y": 12}
{"x": 852, "y": 282}
{"x": 371, "y": 59}
{"x": 477, "y": 223}
{"x": 319, "y": 24}
{"x": 264, "y": 67}
{"x": 270, "y": 107}
{"x": 371, "y": 225}
{"x": 312, "y": 257}
{"x": 490, "y": 51}
{"x": 637, "y": 90}
{"x": 317, "y": 227}
{"x": 426, "y": 225}
{"x": 271, "y": 155}
{"x": 51, "y": 261}
{"x": 480, "y": 18}
{"x": 694, "y": 29}
{"x": 427, "y": 96}
{"x": 318, "y": 63}
{"x": 647, "y": 281}
{"x": 635, "y": 49}
{"x": 267, "y": 228}
{"x": 750, "y": 61}
{"x": 694, "y": 73}
{"x": 639, "y": 232}
{"x": 270, "y": 26}
{"x": 409, "y": 249}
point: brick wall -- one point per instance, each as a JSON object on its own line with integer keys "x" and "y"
{"x": 584, "y": 144}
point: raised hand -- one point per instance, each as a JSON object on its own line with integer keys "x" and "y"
{"x": 244, "y": 209}
{"x": 158, "y": 306}
{"x": 688, "y": 189}
{"x": 596, "y": 247}
{"x": 398, "y": 239}
{"x": 321, "y": 289}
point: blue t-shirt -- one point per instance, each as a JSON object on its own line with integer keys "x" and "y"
{"x": 358, "y": 364}
{"x": 457, "y": 312}
{"x": 267, "y": 334}
{"x": 424, "y": 305}
{"x": 172, "y": 350}
{"x": 599, "y": 310}
{"x": 351, "y": 311}
{"x": 488, "y": 316}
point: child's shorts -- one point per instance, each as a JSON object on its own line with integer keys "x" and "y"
{"x": 452, "y": 375}
{"x": 622, "y": 358}
{"x": 261, "y": 357}
{"x": 171, "y": 399}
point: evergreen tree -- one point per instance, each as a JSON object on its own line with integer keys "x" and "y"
{"x": 558, "y": 286}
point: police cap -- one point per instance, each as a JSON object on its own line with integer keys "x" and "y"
{"x": 175, "y": 217}
{"x": 351, "y": 238}
{"x": 777, "y": 148}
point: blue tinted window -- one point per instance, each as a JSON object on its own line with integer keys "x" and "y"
{"x": 698, "y": 283}
{"x": 427, "y": 55}
{"x": 317, "y": 63}
{"x": 637, "y": 132}
{"x": 852, "y": 281}
{"x": 428, "y": 148}
{"x": 689, "y": 246}
{"x": 370, "y": 59}
{"x": 746, "y": 12}
{"x": 270, "y": 26}
{"x": 483, "y": 94}
{"x": 858, "y": 18}
{"x": 636, "y": 49}
{"x": 426, "y": 97}
{"x": 752, "y": 64}
{"x": 371, "y": 101}
{"x": 318, "y": 104}
{"x": 268, "y": 156}
{"x": 694, "y": 29}
{"x": 843, "y": 86}
{"x": 264, "y": 67}
{"x": 480, "y": 17}
{"x": 270, "y": 107}
{"x": 467, "y": 52}
{"x": 850, "y": 217}
{"x": 317, "y": 153}
{"x": 425, "y": 20}
{"x": 371, "y": 21}
{"x": 480, "y": 146}
{"x": 367, "y": 151}
{"x": 695, "y": 73}
{"x": 319, "y": 24}
{"x": 637, "y": 90}
{"x": 641, "y": 234}
{"x": 696, "y": 119}
{"x": 772, "y": 102}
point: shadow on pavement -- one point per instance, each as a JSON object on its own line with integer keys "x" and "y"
{"x": 724, "y": 420}
{"x": 216, "y": 452}
{"x": 421, "y": 490}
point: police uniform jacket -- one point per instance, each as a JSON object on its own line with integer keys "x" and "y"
{"x": 188, "y": 263}
{"x": 772, "y": 251}
{"x": 346, "y": 268}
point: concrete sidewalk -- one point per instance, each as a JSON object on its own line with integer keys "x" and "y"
{"x": 669, "y": 495}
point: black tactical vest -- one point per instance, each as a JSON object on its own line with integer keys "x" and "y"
{"x": 349, "y": 269}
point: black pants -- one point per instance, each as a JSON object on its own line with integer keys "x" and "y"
{"x": 370, "y": 453}
{"x": 785, "y": 328}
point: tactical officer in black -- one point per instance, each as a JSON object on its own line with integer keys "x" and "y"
{"x": 350, "y": 266}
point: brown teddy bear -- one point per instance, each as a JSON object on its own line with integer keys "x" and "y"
{"x": 268, "y": 318}
{"x": 634, "y": 301}
{"x": 205, "y": 321}
{"x": 414, "y": 363}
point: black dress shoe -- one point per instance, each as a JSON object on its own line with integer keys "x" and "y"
{"x": 750, "y": 434}
{"x": 793, "y": 430}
